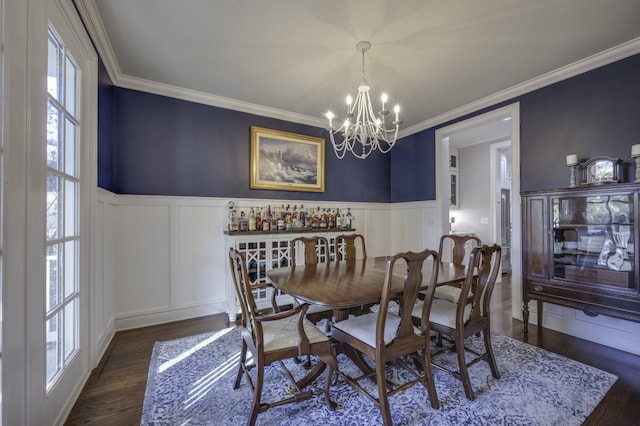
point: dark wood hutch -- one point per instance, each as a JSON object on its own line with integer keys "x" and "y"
{"x": 579, "y": 250}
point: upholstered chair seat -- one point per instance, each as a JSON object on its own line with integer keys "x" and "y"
{"x": 443, "y": 312}
{"x": 283, "y": 333}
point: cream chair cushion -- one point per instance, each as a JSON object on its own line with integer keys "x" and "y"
{"x": 449, "y": 293}
{"x": 443, "y": 312}
{"x": 314, "y": 309}
{"x": 363, "y": 328}
{"x": 283, "y": 333}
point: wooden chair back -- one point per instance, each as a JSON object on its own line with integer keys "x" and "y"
{"x": 346, "y": 247}
{"x": 412, "y": 284}
{"x": 316, "y": 250}
{"x": 244, "y": 293}
{"x": 458, "y": 245}
{"x": 486, "y": 261}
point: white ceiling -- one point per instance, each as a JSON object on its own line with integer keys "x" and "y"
{"x": 296, "y": 59}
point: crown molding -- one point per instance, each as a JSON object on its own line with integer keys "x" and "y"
{"x": 217, "y": 101}
{"x": 92, "y": 22}
{"x": 91, "y": 18}
{"x": 598, "y": 60}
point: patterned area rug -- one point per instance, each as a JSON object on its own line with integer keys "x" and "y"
{"x": 191, "y": 383}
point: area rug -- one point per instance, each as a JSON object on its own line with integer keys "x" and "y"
{"x": 190, "y": 382}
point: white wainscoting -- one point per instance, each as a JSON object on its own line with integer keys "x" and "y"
{"x": 608, "y": 331}
{"x": 161, "y": 259}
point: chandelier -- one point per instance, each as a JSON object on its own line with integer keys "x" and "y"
{"x": 363, "y": 131}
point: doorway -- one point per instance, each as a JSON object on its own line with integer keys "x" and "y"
{"x": 474, "y": 131}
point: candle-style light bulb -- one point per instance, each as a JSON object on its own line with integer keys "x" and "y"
{"x": 383, "y": 98}
{"x": 396, "y": 109}
{"x": 349, "y": 100}
{"x": 330, "y": 117}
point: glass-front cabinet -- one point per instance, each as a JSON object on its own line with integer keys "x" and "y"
{"x": 592, "y": 240}
{"x": 579, "y": 250}
{"x": 263, "y": 251}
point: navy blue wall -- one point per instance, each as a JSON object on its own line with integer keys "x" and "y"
{"x": 166, "y": 146}
{"x": 595, "y": 113}
{"x": 150, "y": 144}
{"x": 413, "y": 166}
{"x": 105, "y": 129}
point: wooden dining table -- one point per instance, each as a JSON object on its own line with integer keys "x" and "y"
{"x": 346, "y": 284}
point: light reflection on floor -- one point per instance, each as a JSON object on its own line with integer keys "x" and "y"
{"x": 166, "y": 365}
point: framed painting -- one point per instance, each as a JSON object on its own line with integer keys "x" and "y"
{"x": 286, "y": 161}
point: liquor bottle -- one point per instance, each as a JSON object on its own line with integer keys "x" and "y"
{"x": 266, "y": 221}
{"x": 323, "y": 221}
{"x": 280, "y": 219}
{"x": 252, "y": 220}
{"x": 243, "y": 223}
{"x": 331, "y": 219}
{"x": 233, "y": 221}
{"x": 301, "y": 217}
{"x": 295, "y": 217}
{"x": 258, "y": 220}
{"x": 288, "y": 221}
{"x": 274, "y": 219}
{"x": 349, "y": 219}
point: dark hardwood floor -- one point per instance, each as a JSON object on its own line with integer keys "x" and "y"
{"x": 114, "y": 393}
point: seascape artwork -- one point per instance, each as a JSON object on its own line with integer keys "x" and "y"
{"x": 288, "y": 162}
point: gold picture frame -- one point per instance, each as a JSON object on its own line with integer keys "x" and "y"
{"x": 286, "y": 161}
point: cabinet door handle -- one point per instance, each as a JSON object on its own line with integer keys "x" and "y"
{"x": 537, "y": 288}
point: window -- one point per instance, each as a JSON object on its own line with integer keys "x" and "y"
{"x": 62, "y": 209}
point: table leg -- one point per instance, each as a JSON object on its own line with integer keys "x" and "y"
{"x": 340, "y": 314}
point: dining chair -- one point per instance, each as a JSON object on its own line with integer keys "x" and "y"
{"x": 391, "y": 339}
{"x": 277, "y": 337}
{"x": 468, "y": 315}
{"x": 346, "y": 247}
{"x": 453, "y": 248}
{"x": 316, "y": 250}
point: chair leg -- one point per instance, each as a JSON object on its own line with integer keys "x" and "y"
{"x": 333, "y": 366}
{"x": 385, "y": 411}
{"x": 257, "y": 393}
{"x": 491, "y": 358}
{"x": 243, "y": 359}
{"x": 430, "y": 384}
{"x": 305, "y": 363}
{"x": 464, "y": 371}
